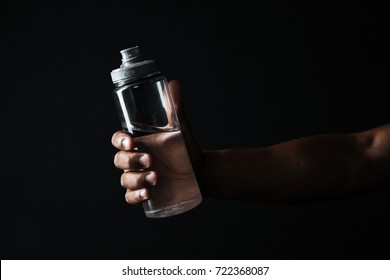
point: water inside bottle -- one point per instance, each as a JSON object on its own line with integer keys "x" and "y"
{"x": 177, "y": 190}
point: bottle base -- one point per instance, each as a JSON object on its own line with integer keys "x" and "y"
{"x": 174, "y": 209}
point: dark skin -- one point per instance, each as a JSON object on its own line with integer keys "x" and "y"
{"x": 301, "y": 170}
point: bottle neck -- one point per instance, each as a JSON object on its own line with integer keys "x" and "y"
{"x": 136, "y": 79}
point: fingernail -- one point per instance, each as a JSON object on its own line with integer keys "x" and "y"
{"x": 144, "y": 161}
{"x": 150, "y": 179}
{"x": 142, "y": 194}
{"x": 125, "y": 143}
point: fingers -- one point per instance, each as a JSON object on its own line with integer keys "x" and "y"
{"x": 137, "y": 184}
{"x": 138, "y": 180}
{"x": 122, "y": 141}
{"x": 136, "y": 197}
{"x": 132, "y": 160}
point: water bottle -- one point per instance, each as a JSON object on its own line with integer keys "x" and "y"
{"x": 147, "y": 114}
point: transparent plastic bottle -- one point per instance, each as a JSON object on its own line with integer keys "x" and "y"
{"x": 147, "y": 113}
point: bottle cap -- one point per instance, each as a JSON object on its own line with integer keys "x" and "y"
{"x": 133, "y": 66}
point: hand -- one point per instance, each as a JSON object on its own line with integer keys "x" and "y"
{"x": 139, "y": 173}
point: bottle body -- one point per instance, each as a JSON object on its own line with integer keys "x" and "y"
{"x": 147, "y": 114}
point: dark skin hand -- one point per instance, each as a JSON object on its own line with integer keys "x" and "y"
{"x": 301, "y": 170}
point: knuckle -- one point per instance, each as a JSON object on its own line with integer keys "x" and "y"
{"x": 140, "y": 180}
{"x": 124, "y": 180}
{"x": 131, "y": 180}
{"x": 129, "y": 160}
{"x": 117, "y": 159}
{"x": 127, "y": 197}
{"x": 114, "y": 138}
{"x": 131, "y": 198}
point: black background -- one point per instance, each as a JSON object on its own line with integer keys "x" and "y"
{"x": 253, "y": 74}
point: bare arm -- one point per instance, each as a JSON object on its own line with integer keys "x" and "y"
{"x": 305, "y": 169}
{"x": 300, "y": 170}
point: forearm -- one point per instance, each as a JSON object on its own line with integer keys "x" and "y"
{"x": 305, "y": 169}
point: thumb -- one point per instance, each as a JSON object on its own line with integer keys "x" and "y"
{"x": 192, "y": 146}
{"x": 175, "y": 90}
